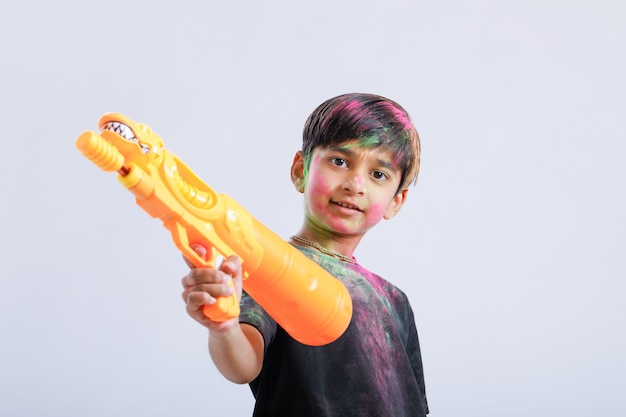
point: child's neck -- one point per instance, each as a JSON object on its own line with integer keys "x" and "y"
{"x": 340, "y": 247}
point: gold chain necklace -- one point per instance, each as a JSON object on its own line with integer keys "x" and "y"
{"x": 349, "y": 259}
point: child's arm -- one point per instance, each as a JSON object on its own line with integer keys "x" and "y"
{"x": 236, "y": 349}
{"x": 237, "y": 353}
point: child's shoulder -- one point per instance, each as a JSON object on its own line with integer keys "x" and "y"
{"x": 355, "y": 275}
{"x": 380, "y": 283}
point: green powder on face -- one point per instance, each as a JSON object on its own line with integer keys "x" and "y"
{"x": 307, "y": 165}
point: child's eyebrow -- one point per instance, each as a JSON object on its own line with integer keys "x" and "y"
{"x": 350, "y": 153}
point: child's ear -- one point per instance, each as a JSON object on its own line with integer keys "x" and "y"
{"x": 396, "y": 203}
{"x": 297, "y": 171}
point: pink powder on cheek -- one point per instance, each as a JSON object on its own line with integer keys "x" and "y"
{"x": 375, "y": 214}
{"x": 318, "y": 188}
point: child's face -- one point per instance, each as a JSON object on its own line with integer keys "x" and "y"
{"x": 349, "y": 188}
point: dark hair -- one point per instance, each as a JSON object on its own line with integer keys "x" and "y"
{"x": 374, "y": 120}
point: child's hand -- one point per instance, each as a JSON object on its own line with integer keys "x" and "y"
{"x": 203, "y": 285}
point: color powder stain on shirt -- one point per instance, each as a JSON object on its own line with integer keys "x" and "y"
{"x": 374, "y": 368}
{"x": 388, "y": 339}
{"x": 364, "y": 287}
{"x": 372, "y": 310}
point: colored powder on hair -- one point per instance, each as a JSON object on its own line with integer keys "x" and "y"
{"x": 371, "y": 141}
{"x": 401, "y": 116}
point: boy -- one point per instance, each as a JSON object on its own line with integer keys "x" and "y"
{"x": 359, "y": 155}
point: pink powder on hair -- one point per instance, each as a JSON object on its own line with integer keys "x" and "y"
{"x": 401, "y": 116}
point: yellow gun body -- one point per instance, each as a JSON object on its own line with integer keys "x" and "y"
{"x": 309, "y": 303}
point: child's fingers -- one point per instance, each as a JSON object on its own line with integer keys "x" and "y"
{"x": 232, "y": 266}
{"x": 215, "y": 290}
{"x": 196, "y": 299}
{"x": 212, "y": 289}
{"x": 204, "y": 276}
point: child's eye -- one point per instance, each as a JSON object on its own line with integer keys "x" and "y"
{"x": 379, "y": 175}
{"x": 340, "y": 162}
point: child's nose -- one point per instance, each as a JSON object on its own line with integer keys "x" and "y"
{"x": 355, "y": 184}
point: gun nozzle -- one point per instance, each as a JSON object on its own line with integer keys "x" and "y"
{"x": 99, "y": 151}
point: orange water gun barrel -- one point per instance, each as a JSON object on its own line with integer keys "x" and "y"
{"x": 309, "y": 303}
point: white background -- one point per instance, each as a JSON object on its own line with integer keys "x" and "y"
{"x": 510, "y": 248}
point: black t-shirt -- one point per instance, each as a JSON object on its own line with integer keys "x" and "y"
{"x": 373, "y": 369}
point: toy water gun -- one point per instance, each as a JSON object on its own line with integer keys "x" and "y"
{"x": 309, "y": 303}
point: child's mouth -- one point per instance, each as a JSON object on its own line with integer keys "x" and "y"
{"x": 346, "y": 205}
